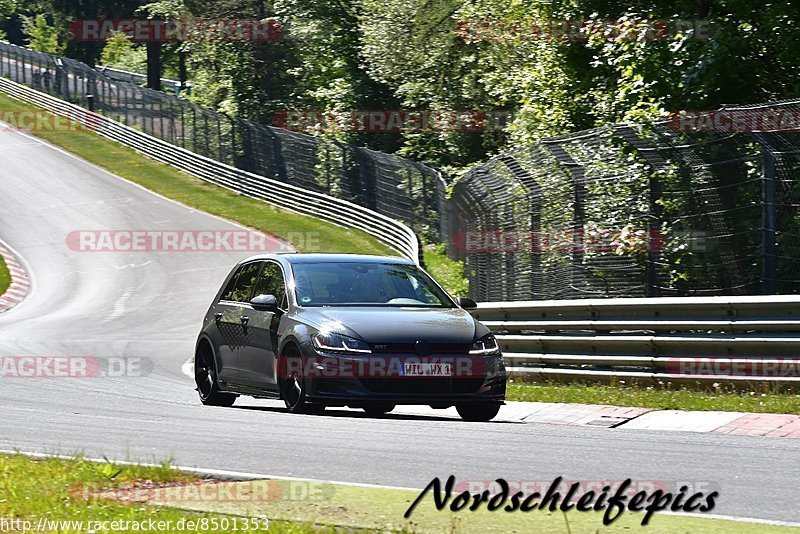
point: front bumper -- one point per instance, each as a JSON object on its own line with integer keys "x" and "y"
{"x": 342, "y": 381}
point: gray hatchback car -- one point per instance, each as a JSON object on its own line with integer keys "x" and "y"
{"x": 366, "y": 332}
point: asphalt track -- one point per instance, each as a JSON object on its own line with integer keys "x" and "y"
{"x": 149, "y": 306}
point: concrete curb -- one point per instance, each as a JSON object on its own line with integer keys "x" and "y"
{"x": 20, "y": 280}
{"x": 622, "y": 417}
{"x": 633, "y": 418}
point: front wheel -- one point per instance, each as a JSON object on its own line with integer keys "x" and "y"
{"x": 293, "y": 386}
{"x": 478, "y": 412}
{"x": 205, "y": 377}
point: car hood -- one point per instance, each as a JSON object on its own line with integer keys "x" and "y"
{"x": 396, "y": 325}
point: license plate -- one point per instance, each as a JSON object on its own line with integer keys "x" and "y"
{"x": 427, "y": 369}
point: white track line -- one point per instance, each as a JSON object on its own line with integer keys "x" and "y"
{"x": 215, "y": 473}
{"x": 143, "y": 188}
{"x": 240, "y": 475}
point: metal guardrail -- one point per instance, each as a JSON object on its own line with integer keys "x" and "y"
{"x": 398, "y": 188}
{"x": 390, "y": 232}
{"x": 136, "y": 77}
{"x": 679, "y": 340}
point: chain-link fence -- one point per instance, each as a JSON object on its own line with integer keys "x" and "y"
{"x": 629, "y": 210}
{"x": 399, "y": 188}
{"x": 638, "y": 210}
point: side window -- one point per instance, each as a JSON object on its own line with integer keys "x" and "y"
{"x": 271, "y": 283}
{"x": 226, "y": 295}
{"x": 241, "y": 286}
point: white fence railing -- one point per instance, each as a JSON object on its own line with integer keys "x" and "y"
{"x": 390, "y": 232}
{"x": 136, "y": 77}
{"x": 682, "y": 339}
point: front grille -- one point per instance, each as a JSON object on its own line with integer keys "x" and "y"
{"x": 408, "y": 348}
{"x": 422, "y": 385}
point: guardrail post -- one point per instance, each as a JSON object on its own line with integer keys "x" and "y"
{"x": 221, "y": 154}
{"x": 535, "y": 207}
{"x": 124, "y": 101}
{"x": 182, "y": 134}
{"x": 655, "y": 238}
{"x": 16, "y": 66}
{"x": 280, "y": 165}
{"x": 579, "y": 215}
{"x": 769, "y": 227}
{"x": 153, "y": 65}
{"x": 182, "y": 76}
{"x": 243, "y": 158}
{"x": 194, "y": 128}
{"x": 4, "y": 63}
{"x": 355, "y": 172}
{"x": 206, "y": 137}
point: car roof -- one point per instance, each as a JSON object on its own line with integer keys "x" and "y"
{"x": 332, "y": 258}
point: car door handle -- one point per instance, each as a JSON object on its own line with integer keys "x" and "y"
{"x": 245, "y": 319}
{"x": 217, "y": 317}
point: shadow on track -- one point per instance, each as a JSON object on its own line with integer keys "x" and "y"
{"x": 358, "y": 414}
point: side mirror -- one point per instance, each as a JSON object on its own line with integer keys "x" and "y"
{"x": 466, "y": 303}
{"x": 265, "y": 303}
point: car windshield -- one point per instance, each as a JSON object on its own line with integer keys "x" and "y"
{"x": 366, "y": 284}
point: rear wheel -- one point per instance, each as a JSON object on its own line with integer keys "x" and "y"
{"x": 293, "y": 385}
{"x": 205, "y": 377}
{"x": 477, "y": 412}
{"x": 376, "y": 410}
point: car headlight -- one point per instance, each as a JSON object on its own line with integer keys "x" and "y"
{"x": 485, "y": 346}
{"x": 339, "y": 344}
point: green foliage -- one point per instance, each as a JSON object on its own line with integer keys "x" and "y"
{"x": 432, "y": 55}
{"x": 494, "y": 56}
{"x": 661, "y": 395}
{"x": 309, "y": 234}
{"x": 66, "y": 492}
{"x": 43, "y": 36}
{"x": 5, "y": 277}
{"x": 449, "y": 273}
{"x": 108, "y": 470}
{"x": 121, "y": 53}
{"x": 7, "y": 8}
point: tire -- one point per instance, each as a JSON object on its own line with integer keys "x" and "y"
{"x": 294, "y": 386}
{"x": 478, "y": 412}
{"x": 205, "y": 378}
{"x": 377, "y": 410}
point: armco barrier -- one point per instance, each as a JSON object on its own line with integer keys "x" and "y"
{"x": 390, "y": 232}
{"x": 681, "y": 339}
{"x": 136, "y": 78}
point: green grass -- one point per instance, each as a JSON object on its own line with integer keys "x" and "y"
{"x": 662, "y": 396}
{"x": 79, "y": 490}
{"x": 448, "y": 272}
{"x": 5, "y": 277}
{"x": 306, "y": 234}
{"x": 383, "y": 509}
{"x": 61, "y": 490}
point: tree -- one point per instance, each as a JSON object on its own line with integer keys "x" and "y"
{"x": 42, "y": 36}
{"x": 7, "y": 8}
{"x": 121, "y": 53}
{"x": 487, "y": 56}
